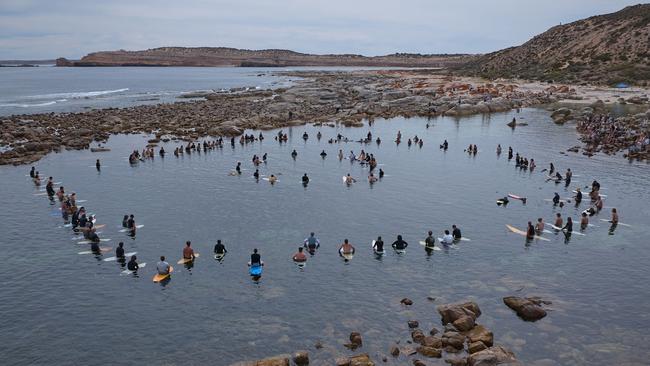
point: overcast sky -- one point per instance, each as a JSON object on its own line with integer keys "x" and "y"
{"x": 38, "y": 29}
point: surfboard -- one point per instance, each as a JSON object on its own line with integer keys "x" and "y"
{"x": 255, "y": 271}
{"x": 90, "y": 242}
{"x": 99, "y": 226}
{"x": 400, "y": 251}
{"x": 185, "y": 260}
{"x": 560, "y": 229}
{"x": 372, "y": 245}
{"x": 551, "y": 200}
{"x": 128, "y": 271}
{"x": 424, "y": 244}
{"x": 219, "y": 256}
{"x": 268, "y": 180}
{"x": 82, "y": 201}
{"x": 101, "y": 250}
{"x": 127, "y": 229}
{"x": 126, "y": 256}
{"x": 40, "y": 194}
{"x": 620, "y": 223}
{"x": 161, "y": 277}
{"x": 523, "y": 233}
{"x": 514, "y": 196}
{"x": 587, "y": 194}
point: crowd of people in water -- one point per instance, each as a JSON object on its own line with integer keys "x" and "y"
{"x": 83, "y": 222}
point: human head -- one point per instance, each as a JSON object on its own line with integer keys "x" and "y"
{"x": 446, "y": 232}
{"x": 162, "y": 258}
{"x": 430, "y": 232}
{"x": 539, "y": 219}
{"x": 121, "y": 244}
{"x": 558, "y": 214}
{"x": 345, "y": 241}
{"x": 300, "y": 249}
{"x": 133, "y": 257}
{"x": 399, "y": 237}
{"x": 255, "y": 250}
{"x": 188, "y": 243}
{"x": 218, "y": 241}
{"x": 584, "y": 214}
{"x": 613, "y": 210}
{"x": 311, "y": 234}
{"x": 453, "y": 226}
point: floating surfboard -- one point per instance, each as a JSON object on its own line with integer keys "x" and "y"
{"x": 372, "y": 245}
{"x": 587, "y": 194}
{"x": 101, "y": 250}
{"x": 128, "y": 271}
{"x": 90, "y": 242}
{"x": 561, "y": 200}
{"x": 620, "y": 223}
{"x": 400, "y": 251}
{"x": 523, "y": 233}
{"x": 185, "y": 260}
{"x": 255, "y": 271}
{"x": 127, "y": 229}
{"x": 82, "y": 201}
{"x": 219, "y": 256}
{"x": 161, "y": 277}
{"x": 268, "y": 180}
{"x": 424, "y": 244}
{"x": 560, "y": 229}
{"x": 514, "y": 196}
{"x": 126, "y": 256}
{"x": 40, "y": 194}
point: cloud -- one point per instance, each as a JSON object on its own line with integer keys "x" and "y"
{"x": 72, "y": 28}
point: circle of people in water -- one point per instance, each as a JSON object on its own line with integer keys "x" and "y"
{"x": 83, "y": 222}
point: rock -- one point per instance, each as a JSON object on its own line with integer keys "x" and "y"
{"x": 456, "y": 361}
{"x": 394, "y": 351}
{"x": 433, "y": 331}
{"x": 464, "y": 323}
{"x": 480, "y": 334}
{"x": 281, "y": 360}
{"x": 452, "y": 312}
{"x": 361, "y": 360}
{"x": 355, "y": 338}
{"x": 492, "y": 356}
{"x": 419, "y": 363}
{"x": 301, "y": 358}
{"x": 406, "y": 301}
{"x": 430, "y": 351}
{"x": 561, "y": 115}
{"x": 526, "y": 309}
{"x": 413, "y": 324}
{"x": 476, "y": 347}
{"x": 431, "y": 298}
{"x": 318, "y": 345}
{"x": 453, "y": 339}
{"x": 417, "y": 336}
{"x": 342, "y": 361}
{"x": 431, "y": 341}
{"x": 408, "y": 351}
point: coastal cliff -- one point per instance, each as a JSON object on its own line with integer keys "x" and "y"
{"x": 222, "y": 56}
{"x": 603, "y": 49}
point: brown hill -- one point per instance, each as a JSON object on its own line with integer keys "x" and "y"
{"x": 603, "y": 49}
{"x": 222, "y": 56}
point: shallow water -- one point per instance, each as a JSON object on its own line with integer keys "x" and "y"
{"x": 59, "y": 307}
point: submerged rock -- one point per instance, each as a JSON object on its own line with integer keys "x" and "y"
{"x": 525, "y": 308}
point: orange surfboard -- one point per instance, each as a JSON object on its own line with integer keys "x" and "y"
{"x": 161, "y": 277}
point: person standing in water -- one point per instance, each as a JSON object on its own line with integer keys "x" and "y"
{"x": 455, "y": 232}
{"x": 539, "y": 228}
{"x": 300, "y": 257}
{"x": 584, "y": 221}
{"x": 346, "y": 248}
{"x": 163, "y": 267}
{"x": 614, "y": 219}
{"x": 188, "y": 252}
{"x": 311, "y": 243}
{"x": 558, "y": 220}
{"x": 133, "y": 264}
{"x": 256, "y": 259}
{"x": 399, "y": 244}
{"x": 430, "y": 241}
{"x": 219, "y": 248}
{"x": 447, "y": 239}
{"x": 98, "y": 165}
{"x": 378, "y": 246}
{"x": 305, "y": 179}
{"x": 568, "y": 228}
{"x": 530, "y": 231}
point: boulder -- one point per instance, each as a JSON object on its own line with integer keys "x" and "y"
{"x": 430, "y": 351}
{"x": 497, "y": 355}
{"x": 480, "y": 334}
{"x": 476, "y": 347}
{"x": 525, "y": 308}
{"x": 457, "y": 361}
{"x": 464, "y": 323}
{"x": 394, "y": 351}
{"x": 361, "y": 360}
{"x": 417, "y": 336}
{"x": 406, "y": 301}
{"x": 301, "y": 358}
{"x": 413, "y": 324}
{"x": 453, "y": 339}
{"x": 432, "y": 341}
{"x": 452, "y": 312}
{"x": 419, "y": 363}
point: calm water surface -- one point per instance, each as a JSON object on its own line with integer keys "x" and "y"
{"x": 59, "y": 307}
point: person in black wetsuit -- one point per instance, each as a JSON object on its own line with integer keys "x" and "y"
{"x": 399, "y": 244}
{"x": 238, "y": 167}
{"x": 556, "y": 199}
{"x": 305, "y": 179}
{"x": 125, "y": 221}
{"x": 219, "y": 248}
{"x": 83, "y": 220}
{"x": 379, "y": 245}
{"x": 455, "y": 232}
{"x": 32, "y": 172}
{"x": 133, "y": 265}
{"x": 94, "y": 247}
{"x": 98, "y": 165}
{"x": 568, "y": 227}
{"x": 323, "y": 154}
{"x": 430, "y": 241}
{"x": 256, "y": 259}
{"x": 130, "y": 224}
{"x": 294, "y": 153}
{"x": 578, "y": 197}
{"x": 119, "y": 252}
{"x": 530, "y": 232}
{"x": 93, "y": 237}
{"x": 49, "y": 187}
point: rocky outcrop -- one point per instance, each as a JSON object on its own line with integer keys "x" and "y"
{"x": 494, "y": 356}
{"x": 528, "y": 309}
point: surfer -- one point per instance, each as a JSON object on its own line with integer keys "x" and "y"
{"x": 372, "y": 178}
{"x": 311, "y": 243}
{"x": 256, "y": 175}
{"x": 162, "y": 267}
{"x": 273, "y": 179}
{"x": 92, "y": 236}
{"x": 558, "y": 220}
{"x": 447, "y": 239}
{"x": 132, "y": 265}
{"x": 540, "y": 225}
{"x": 381, "y": 173}
{"x": 60, "y": 194}
{"x": 98, "y": 165}
{"x": 614, "y": 219}
{"x": 188, "y": 252}
{"x": 530, "y": 231}
{"x": 32, "y": 172}
{"x": 568, "y": 228}
{"x": 305, "y": 179}
{"x": 323, "y": 154}
{"x": 119, "y": 251}
{"x": 349, "y": 179}
{"x": 399, "y": 244}
{"x": 130, "y": 224}
{"x": 256, "y": 259}
{"x": 294, "y": 153}
{"x": 125, "y": 221}
{"x": 340, "y": 155}
{"x": 378, "y": 246}
{"x": 455, "y": 232}
{"x": 556, "y": 199}
{"x": 430, "y": 241}
{"x": 49, "y": 187}
{"x": 94, "y": 247}
{"x": 599, "y": 203}
{"x": 300, "y": 256}
{"x": 578, "y": 196}
{"x": 346, "y": 248}
{"x": 219, "y": 248}
{"x": 238, "y": 168}
{"x": 584, "y": 221}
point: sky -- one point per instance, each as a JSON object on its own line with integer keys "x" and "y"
{"x": 46, "y": 29}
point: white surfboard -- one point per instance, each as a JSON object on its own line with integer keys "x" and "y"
{"x": 127, "y": 229}
{"x": 126, "y": 256}
{"x": 424, "y": 244}
{"x": 90, "y": 242}
{"x": 127, "y": 272}
{"x": 620, "y": 223}
{"x": 560, "y": 229}
{"x": 101, "y": 250}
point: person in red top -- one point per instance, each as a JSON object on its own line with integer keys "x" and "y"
{"x": 188, "y": 252}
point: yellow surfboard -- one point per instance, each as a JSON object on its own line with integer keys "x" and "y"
{"x": 521, "y": 232}
{"x": 184, "y": 261}
{"x": 161, "y": 277}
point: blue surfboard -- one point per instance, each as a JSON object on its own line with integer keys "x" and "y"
{"x": 255, "y": 270}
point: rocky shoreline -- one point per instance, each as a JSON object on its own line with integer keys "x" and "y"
{"x": 461, "y": 341}
{"x": 321, "y": 98}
